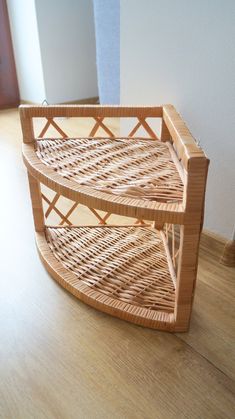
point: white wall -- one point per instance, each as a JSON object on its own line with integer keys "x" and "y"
{"x": 182, "y": 52}
{"x": 67, "y": 42}
{"x": 54, "y": 47}
{"x": 25, "y": 40}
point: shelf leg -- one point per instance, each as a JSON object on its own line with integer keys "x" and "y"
{"x": 186, "y": 275}
{"x": 36, "y": 199}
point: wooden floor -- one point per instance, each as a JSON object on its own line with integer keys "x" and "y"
{"x": 60, "y": 359}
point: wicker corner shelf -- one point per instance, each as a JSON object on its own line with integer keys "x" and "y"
{"x": 145, "y": 272}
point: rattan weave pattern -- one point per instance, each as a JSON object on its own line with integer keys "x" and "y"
{"x": 137, "y": 168}
{"x": 126, "y": 263}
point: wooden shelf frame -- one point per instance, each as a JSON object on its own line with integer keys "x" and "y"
{"x": 190, "y": 160}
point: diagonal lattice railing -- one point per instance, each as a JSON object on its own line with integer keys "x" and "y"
{"x": 99, "y": 123}
{"x": 67, "y": 213}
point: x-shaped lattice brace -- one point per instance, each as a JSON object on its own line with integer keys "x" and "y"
{"x": 142, "y": 122}
{"x": 50, "y": 121}
{"x": 99, "y": 124}
{"x": 65, "y": 217}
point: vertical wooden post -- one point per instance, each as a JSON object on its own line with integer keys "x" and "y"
{"x": 27, "y": 126}
{"x": 187, "y": 273}
{"x": 36, "y": 199}
{"x": 189, "y": 240}
{"x": 34, "y": 184}
{"x": 164, "y": 134}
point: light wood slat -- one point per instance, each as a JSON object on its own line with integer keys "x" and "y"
{"x": 29, "y": 111}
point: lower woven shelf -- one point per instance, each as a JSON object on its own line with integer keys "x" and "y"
{"x": 125, "y": 271}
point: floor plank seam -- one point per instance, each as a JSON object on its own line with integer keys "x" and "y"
{"x": 204, "y": 357}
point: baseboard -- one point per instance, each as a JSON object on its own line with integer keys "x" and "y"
{"x": 218, "y": 247}
{"x": 228, "y": 256}
{"x": 212, "y": 243}
{"x": 89, "y": 101}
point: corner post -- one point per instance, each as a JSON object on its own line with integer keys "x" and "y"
{"x": 34, "y": 184}
{"x": 189, "y": 240}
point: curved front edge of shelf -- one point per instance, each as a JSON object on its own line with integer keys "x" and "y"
{"x": 129, "y": 207}
{"x": 138, "y": 315}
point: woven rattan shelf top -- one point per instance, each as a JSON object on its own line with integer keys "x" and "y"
{"x": 122, "y": 269}
{"x": 132, "y": 177}
{"x": 135, "y": 168}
